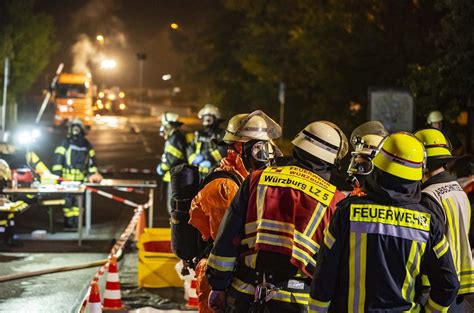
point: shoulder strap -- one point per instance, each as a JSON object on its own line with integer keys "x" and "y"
{"x": 221, "y": 174}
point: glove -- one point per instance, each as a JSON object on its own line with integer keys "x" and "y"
{"x": 95, "y": 178}
{"x": 217, "y": 300}
{"x": 206, "y": 164}
{"x": 198, "y": 159}
{"x": 159, "y": 170}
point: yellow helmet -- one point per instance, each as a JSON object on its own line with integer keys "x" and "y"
{"x": 434, "y": 117}
{"x": 402, "y": 155}
{"x": 436, "y": 144}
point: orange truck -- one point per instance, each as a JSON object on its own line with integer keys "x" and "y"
{"x": 73, "y": 98}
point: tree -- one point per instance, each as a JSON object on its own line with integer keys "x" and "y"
{"x": 27, "y": 38}
{"x": 327, "y": 52}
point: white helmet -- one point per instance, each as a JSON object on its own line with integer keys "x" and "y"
{"x": 5, "y": 172}
{"x": 323, "y": 140}
{"x": 434, "y": 117}
{"x": 254, "y": 126}
{"x": 169, "y": 117}
{"x": 366, "y": 138}
{"x": 209, "y": 109}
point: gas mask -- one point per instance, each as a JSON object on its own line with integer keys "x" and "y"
{"x": 257, "y": 154}
{"x": 208, "y": 120}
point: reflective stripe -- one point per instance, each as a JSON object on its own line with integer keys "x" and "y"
{"x": 11, "y": 215}
{"x": 167, "y": 177}
{"x": 4, "y": 222}
{"x": 203, "y": 169}
{"x": 191, "y": 158}
{"x": 318, "y": 306}
{"x": 165, "y": 167}
{"x": 2, "y": 230}
{"x": 433, "y": 307}
{"x": 274, "y": 240}
{"x": 113, "y": 277}
{"x": 112, "y": 294}
{"x": 251, "y": 260}
{"x": 92, "y": 169}
{"x": 400, "y": 160}
{"x": 60, "y": 150}
{"x": 91, "y": 153}
{"x": 441, "y": 247}
{"x": 329, "y": 239}
{"x": 453, "y": 230}
{"x": 316, "y": 218}
{"x": 216, "y": 155}
{"x": 221, "y": 263}
{"x": 357, "y": 269}
{"x": 281, "y": 295}
{"x": 173, "y": 151}
{"x": 57, "y": 167}
{"x": 390, "y": 230}
{"x": 412, "y": 268}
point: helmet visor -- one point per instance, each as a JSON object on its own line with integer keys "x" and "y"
{"x": 368, "y": 128}
{"x": 361, "y": 164}
{"x": 272, "y": 130}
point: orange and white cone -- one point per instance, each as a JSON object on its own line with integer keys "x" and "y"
{"x": 93, "y": 304}
{"x": 193, "y": 297}
{"x": 112, "y": 296}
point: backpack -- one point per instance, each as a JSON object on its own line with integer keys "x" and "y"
{"x": 186, "y": 241}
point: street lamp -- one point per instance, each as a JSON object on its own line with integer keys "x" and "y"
{"x": 174, "y": 26}
{"x": 100, "y": 39}
{"x": 166, "y": 77}
{"x": 108, "y": 64}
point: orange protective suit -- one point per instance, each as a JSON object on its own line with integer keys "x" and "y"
{"x": 207, "y": 210}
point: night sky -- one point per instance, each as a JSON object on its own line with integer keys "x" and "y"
{"x": 129, "y": 27}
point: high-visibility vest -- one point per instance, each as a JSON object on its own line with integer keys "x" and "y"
{"x": 457, "y": 212}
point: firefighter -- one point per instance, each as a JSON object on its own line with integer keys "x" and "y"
{"x": 365, "y": 141}
{"x": 7, "y": 219}
{"x": 247, "y": 139}
{"x": 443, "y": 193}
{"x": 377, "y": 245}
{"x": 263, "y": 256}
{"x": 435, "y": 119}
{"x": 75, "y": 161}
{"x": 203, "y": 151}
{"x": 174, "y": 151}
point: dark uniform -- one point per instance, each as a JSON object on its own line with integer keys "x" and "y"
{"x": 375, "y": 248}
{"x": 271, "y": 233}
{"x": 74, "y": 161}
{"x": 174, "y": 154}
{"x": 203, "y": 152}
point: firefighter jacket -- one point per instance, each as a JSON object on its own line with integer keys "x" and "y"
{"x": 375, "y": 248}
{"x": 33, "y": 160}
{"x": 75, "y": 159}
{"x": 446, "y": 193}
{"x": 211, "y": 202}
{"x": 203, "y": 152}
{"x": 208, "y": 208}
{"x": 174, "y": 153}
{"x": 274, "y": 226}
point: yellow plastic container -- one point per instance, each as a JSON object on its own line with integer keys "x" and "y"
{"x": 156, "y": 262}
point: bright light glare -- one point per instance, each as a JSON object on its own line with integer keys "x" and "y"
{"x": 101, "y": 94}
{"x": 100, "y": 106}
{"x": 63, "y": 108}
{"x": 24, "y": 138}
{"x": 166, "y": 77}
{"x": 108, "y": 64}
{"x": 35, "y": 134}
{"x": 122, "y": 106}
{"x": 100, "y": 38}
{"x": 122, "y": 94}
{"x": 111, "y": 96}
{"x": 69, "y": 101}
{"x": 174, "y": 26}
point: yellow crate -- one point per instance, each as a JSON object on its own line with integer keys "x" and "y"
{"x": 156, "y": 269}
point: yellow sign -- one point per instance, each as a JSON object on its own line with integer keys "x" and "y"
{"x": 390, "y": 215}
{"x": 300, "y": 179}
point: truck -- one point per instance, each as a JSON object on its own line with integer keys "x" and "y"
{"x": 73, "y": 98}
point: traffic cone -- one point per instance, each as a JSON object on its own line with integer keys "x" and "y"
{"x": 94, "y": 299}
{"x": 139, "y": 229}
{"x": 112, "y": 296}
{"x": 193, "y": 298}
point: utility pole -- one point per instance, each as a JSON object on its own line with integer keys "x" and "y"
{"x": 141, "y": 57}
{"x": 5, "y": 88}
{"x": 281, "y": 99}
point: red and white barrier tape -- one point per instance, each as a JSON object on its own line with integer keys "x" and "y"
{"x": 117, "y": 247}
{"x": 114, "y": 197}
{"x": 130, "y": 189}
